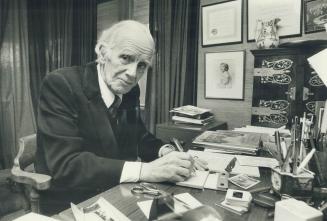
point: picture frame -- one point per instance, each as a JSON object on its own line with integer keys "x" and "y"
{"x": 315, "y": 15}
{"x": 222, "y": 23}
{"x": 288, "y": 11}
{"x": 224, "y": 75}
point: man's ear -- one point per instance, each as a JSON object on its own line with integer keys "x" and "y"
{"x": 104, "y": 54}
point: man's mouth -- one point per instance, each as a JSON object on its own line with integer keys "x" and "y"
{"x": 126, "y": 82}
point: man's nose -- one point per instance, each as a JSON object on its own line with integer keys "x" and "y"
{"x": 132, "y": 71}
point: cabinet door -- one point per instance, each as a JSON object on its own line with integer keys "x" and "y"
{"x": 276, "y": 87}
{"x": 313, "y": 89}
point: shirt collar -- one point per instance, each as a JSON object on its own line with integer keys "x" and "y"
{"x": 107, "y": 95}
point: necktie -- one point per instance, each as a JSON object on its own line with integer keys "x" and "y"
{"x": 114, "y": 107}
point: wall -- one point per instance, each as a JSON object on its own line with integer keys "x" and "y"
{"x": 107, "y": 15}
{"x": 236, "y": 113}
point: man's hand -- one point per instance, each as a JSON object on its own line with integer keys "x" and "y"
{"x": 173, "y": 167}
{"x": 200, "y": 164}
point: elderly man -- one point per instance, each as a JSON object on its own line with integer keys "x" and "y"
{"x": 89, "y": 129}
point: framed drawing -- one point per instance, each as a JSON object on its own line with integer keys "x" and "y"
{"x": 288, "y": 11}
{"x": 222, "y": 23}
{"x": 315, "y": 15}
{"x": 224, "y": 75}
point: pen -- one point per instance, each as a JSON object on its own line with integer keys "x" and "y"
{"x": 178, "y": 145}
{"x": 295, "y": 146}
{"x": 306, "y": 160}
{"x": 180, "y": 149}
{"x": 279, "y": 150}
{"x": 283, "y": 148}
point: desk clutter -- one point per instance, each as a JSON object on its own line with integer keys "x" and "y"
{"x": 295, "y": 159}
{"x": 297, "y": 165}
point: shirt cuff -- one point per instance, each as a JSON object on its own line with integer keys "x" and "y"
{"x": 165, "y": 149}
{"x": 131, "y": 172}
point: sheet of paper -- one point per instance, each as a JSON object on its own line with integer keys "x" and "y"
{"x": 257, "y": 161}
{"x": 34, "y": 217}
{"x": 211, "y": 182}
{"x": 145, "y": 206}
{"x": 319, "y": 64}
{"x": 196, "y": 181}
{"x": 219, "y": 161}
{"x": 267, "y": 130}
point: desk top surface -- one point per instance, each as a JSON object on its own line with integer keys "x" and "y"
{"x": 122, "y": 198}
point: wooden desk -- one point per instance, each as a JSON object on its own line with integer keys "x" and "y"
{"x": 122, "y": 198}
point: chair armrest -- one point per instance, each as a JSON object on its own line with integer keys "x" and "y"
{"x": 36, "y": 180}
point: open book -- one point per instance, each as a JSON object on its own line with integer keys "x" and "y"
{"x": 230, "y": 141}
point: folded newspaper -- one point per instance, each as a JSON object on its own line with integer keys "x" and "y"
{"x": 101, "y": 210}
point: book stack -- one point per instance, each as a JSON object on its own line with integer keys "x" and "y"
{"x": 227, "y": 141}
{"x": 192, "y": 115}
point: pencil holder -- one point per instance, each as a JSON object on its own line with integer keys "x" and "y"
{"x": 298, "y": 186}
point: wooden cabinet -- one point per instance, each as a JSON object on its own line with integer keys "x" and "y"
{"x": 284, "y": 85}
{"x": 185, "y": 132}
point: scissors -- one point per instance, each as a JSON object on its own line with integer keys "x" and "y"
{"x": 147, "y": 189}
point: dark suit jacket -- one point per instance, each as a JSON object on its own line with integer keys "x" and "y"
{"x": 76, "y": 142}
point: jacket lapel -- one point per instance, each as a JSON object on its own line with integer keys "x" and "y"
{"x": 97, "y": 111}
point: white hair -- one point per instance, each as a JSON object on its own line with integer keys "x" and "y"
{"x": 108, "y": 37}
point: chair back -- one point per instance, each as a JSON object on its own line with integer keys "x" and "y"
{"x": 26, "y": 153}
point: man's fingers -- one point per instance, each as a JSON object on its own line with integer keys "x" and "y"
{"x": 183, "y": 163}
{"x": 180, "y": 171}
{"x": 200, "y": 164}
{"x": 177, "y": 178}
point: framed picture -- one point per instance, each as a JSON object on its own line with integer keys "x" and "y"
{"x": 315, "y": 15}
{"x": 224, "y": 75}
{"x": 288, "y": 11}
{"x": 222, "y": 23}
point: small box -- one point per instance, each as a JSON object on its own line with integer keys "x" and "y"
{"x": 295, "y": 210}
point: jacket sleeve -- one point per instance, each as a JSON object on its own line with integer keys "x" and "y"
{"x": 60, "y": 143}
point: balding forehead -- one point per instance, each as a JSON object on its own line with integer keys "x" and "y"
{"x": 134, "y": 33}
{"x": 136, "y": 41}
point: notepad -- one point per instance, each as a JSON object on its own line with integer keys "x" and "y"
{"x": 196, "y": 181}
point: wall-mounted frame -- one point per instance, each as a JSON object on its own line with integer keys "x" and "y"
{"x": 315, "y": 15}
{"x": 224, "y": 75}
{"x": 289, "y": 11}
{"x": 222, "y": 23}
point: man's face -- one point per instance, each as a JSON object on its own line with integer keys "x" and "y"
{"x": 129, "y": 59}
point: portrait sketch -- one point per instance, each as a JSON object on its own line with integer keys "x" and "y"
{"x": 224, "y": 75}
